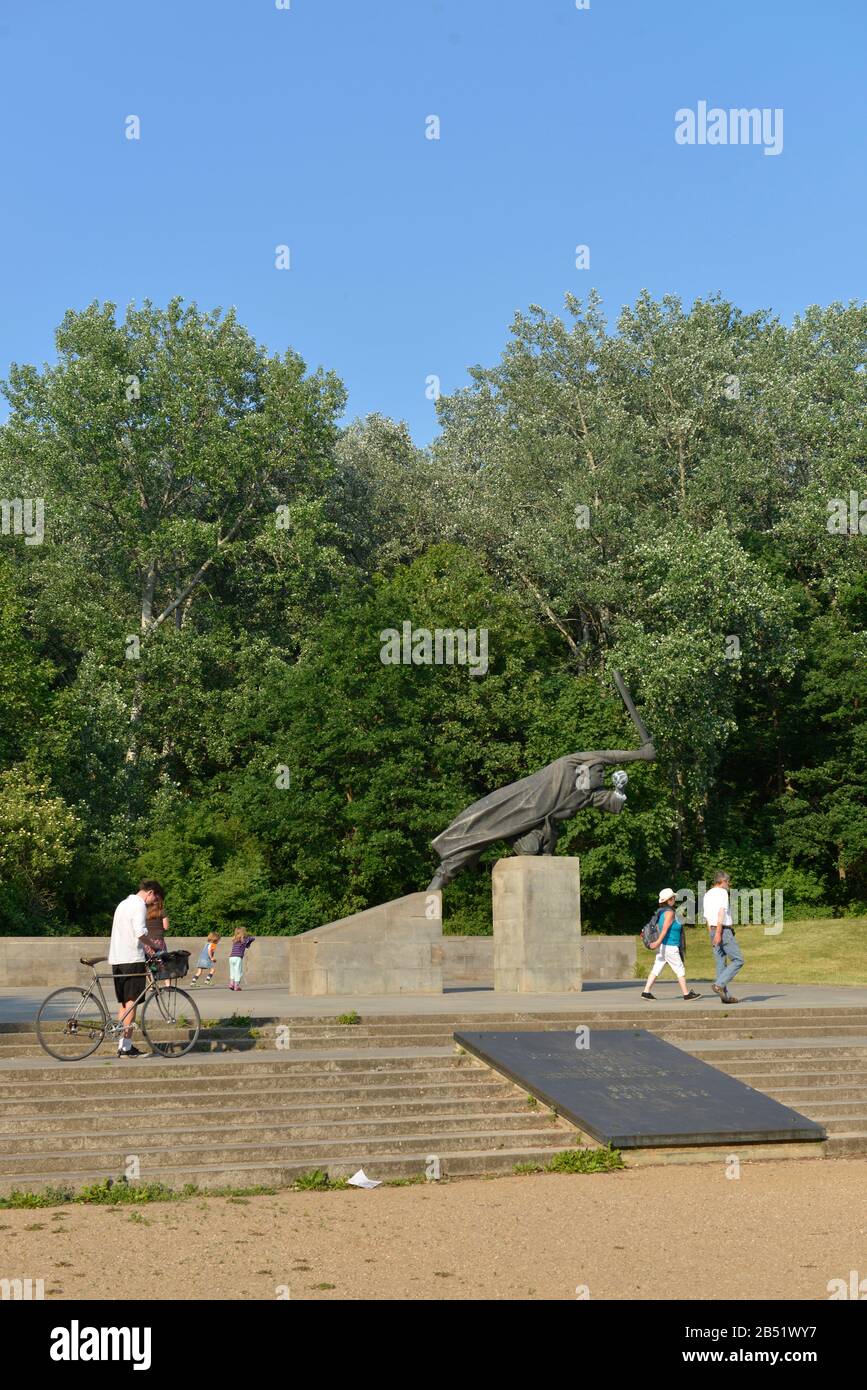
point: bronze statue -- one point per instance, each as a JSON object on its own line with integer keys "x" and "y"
{"x": 527, "y": 814}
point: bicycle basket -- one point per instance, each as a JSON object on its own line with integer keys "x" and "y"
{"x": 174, "y": 965}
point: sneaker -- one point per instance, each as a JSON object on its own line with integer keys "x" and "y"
{"x": 692, "y": 995}
{"x": 720, "y": 990}
{"x": 131, "y": 1052}
{"x": 645, "y": 995}
{"x": 193, "y": 983}
{"x": 210, "y": 980}
{"x": 730, "y": 999}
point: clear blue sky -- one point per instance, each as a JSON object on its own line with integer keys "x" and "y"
{"x": 306, "y": 127}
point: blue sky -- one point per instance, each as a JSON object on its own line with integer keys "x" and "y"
{"x": 306, "y": 127}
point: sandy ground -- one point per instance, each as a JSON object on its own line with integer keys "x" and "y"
{"x": 781, "y": 1230}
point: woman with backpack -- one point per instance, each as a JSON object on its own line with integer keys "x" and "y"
{"x": 668, "y": 944}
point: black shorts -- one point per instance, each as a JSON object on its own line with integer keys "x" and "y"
{"x": 129, "y": 982}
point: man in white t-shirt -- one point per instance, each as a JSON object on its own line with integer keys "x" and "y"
{"x": 127, "y": 958}
{"x": 729, "y": 957}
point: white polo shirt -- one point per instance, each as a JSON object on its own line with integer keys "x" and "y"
{"x": 713, "y": 900}
{"x": 130, "y": 923}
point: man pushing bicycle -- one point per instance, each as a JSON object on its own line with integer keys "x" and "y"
{"x": 127, "y": 958}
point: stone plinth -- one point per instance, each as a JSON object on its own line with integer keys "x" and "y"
{"x": 395, "y": 948}
{"x": 537, "y": 924}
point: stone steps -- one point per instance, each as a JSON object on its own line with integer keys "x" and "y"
{"x": 161, "y": 1118}
{"x": 779, "y": 1066}
{"x": 143, "y": 1139}
{"x": 280, "y": 1173}
{"x": 852, "y": 1144}
{"x": 66, "y": 1078}
{"x": 485, "y": 1092}
{"x": 853, "y": 1108}
{"x": 842, "y": 1124}
{"x": 153, "y": 1159}
{"x": 831, "y": 1089}
{"x": 68, "y": 1125}
{"x": 675, "y": 1023}
{"x": 684, "y": 1032}
{"x": 658, "y": 1014}
{"x": 795, "y": 1096}
{"x": 386, "y": 1099}
{"x": 789, "y": 1052}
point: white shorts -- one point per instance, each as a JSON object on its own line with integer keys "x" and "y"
{"x": 668, "y": 955}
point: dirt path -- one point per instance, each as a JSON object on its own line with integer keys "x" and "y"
{"x": 782, "y": 1230}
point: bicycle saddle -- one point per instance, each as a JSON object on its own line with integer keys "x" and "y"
{"x": 92, "y": 960}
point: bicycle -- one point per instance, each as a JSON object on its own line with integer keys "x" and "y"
{"x": 170, "y": 1021}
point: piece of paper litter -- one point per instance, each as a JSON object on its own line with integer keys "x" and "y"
{"x": 360, "y": 1179}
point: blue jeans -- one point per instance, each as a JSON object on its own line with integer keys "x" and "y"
{"x": 728, "y": 947}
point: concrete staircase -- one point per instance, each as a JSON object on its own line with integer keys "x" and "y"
{"x": 826, "y": 1081}
{"x": 267, "y": 1103}
{"x": 266, "y": 1120}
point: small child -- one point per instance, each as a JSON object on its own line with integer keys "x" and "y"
{"x": 241, "y": 942}
{"x": 158, "y": 925}
{"x": 207, "y": 959}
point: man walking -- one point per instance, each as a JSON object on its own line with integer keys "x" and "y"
{"x": 127, "y": 958}
{"x": 715, "y": 910}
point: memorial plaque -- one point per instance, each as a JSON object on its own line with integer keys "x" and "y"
{"x": 631, "y": 1089}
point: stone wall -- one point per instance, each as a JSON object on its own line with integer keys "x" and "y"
{"x": 468, "y": 961}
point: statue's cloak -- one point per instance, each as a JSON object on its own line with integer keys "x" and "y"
{"x": 550, "y": 795}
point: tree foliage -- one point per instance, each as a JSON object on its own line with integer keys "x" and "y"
{"x": 191, "y": 677}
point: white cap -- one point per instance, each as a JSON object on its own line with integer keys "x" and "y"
{"x": 666, "y": 894}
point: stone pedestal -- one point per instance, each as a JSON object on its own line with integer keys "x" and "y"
{"x": 537, "y": 924}
{"x": 395, "y": 948}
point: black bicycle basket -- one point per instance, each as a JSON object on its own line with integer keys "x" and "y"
{"x": 174, "y": 965}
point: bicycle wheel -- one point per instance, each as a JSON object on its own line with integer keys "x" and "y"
{"x": 170, "y": 1021}
{"x": 71, "y": 1024}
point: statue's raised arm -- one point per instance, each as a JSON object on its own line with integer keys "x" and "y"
{"x": 527, "y": 814}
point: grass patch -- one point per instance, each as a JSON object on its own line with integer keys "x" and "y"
{"x": 119, "y": 1192}
{"x": 824, "y": 951}
{"x": 585, "y": 1161}
{"x": 318, "y": 1181}
{"x": 349, "y": 1019}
